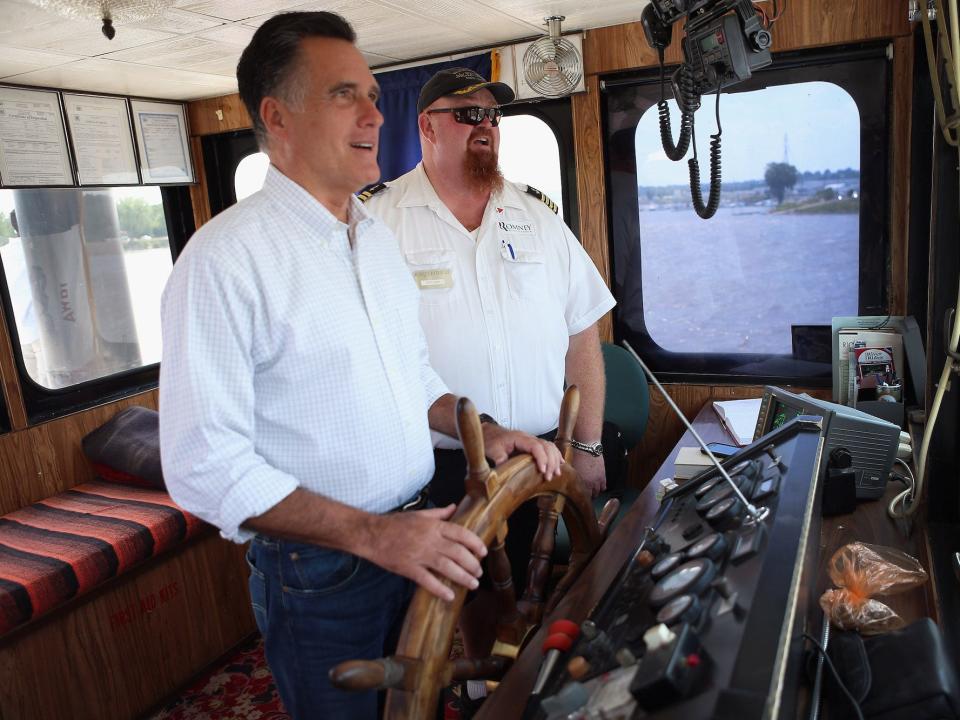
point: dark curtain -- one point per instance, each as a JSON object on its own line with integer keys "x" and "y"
{"x": 399, "y": 137}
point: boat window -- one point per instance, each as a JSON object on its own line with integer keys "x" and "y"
{"x": 529, "y": 153}
{"x": 800, "y": 236}
{"x": 250, "y": 174}
{"x": 83, "y": 271}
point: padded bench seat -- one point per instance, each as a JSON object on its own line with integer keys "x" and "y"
{"x": 66, "y": 545}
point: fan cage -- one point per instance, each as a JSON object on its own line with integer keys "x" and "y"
{"x": 552, "y": 67}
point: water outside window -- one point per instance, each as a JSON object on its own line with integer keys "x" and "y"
{"x": 784, "y": 247}
{"x": 85, "y": 269}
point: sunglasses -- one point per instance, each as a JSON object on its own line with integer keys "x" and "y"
{"x": 473, "y": 115}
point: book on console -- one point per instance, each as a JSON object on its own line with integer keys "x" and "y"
{"x": 690, "y": 461}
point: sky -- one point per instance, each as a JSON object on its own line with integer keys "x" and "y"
{"x": 820, "y": 121}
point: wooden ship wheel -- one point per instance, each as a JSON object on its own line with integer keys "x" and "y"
{"x": 421, "y": 666}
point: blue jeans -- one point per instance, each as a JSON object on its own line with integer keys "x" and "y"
{"x": 315, "y": 608}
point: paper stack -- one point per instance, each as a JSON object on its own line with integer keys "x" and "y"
{"x": 739, "y": 418}
{"x": 690, "y": 461}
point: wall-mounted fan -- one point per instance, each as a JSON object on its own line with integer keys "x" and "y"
{"x": 552, "y": 65}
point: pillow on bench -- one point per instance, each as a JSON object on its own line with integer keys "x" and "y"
{"x": 126, "y": 448}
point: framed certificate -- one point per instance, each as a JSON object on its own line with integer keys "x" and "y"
{"x": 33, "y": 141}
{"x": 161, "y": 132}
{"x": 102, "y": 140}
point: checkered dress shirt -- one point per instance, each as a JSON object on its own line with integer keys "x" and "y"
{"x": 292, "y": 360}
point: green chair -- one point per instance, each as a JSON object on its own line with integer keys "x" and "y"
{"x": 626, "y": 408}
{"x": 628, "y": 398}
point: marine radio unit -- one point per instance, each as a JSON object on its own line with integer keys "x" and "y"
{"x": 720, "y": 47}
{"x": 871, "y": 442}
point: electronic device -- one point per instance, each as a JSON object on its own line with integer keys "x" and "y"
{"x": 721, "y": 450}
{"x": 872, "y": 442}
{"x": 705, "y": 620}
{"x": 724, "y": 42}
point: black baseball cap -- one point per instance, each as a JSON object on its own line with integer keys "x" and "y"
{"x": 460, "y": 81}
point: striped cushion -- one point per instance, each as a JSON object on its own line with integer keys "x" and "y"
{"x": 66, "y": 545}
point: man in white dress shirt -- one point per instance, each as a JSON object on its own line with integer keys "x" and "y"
{"x": 295, "y": 390}
{"x": 509, "y": 299}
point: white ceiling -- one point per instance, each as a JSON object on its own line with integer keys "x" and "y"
{"x": 191, "y": 51}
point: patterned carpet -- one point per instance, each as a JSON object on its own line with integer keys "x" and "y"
{"x": 241, "y": 689}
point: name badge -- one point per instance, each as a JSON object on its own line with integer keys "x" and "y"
{"x": 517, "y": 227}
{"x": 434, "y": 279}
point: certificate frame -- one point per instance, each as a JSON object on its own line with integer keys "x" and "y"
{"x": 126, "y": 170}
{"x": 163, "y": 146}
{"x": 61, "y": 170}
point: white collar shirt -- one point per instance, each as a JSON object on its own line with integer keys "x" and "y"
{"x": 498, "y": 310}
{"x": 291, "y": 359}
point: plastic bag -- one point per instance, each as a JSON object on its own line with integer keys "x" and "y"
{"x": 862, "y": 571}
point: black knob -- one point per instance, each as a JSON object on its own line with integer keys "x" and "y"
{"x": 761, "y": 40}
{"x": 713, "y": 546}
{"x": 718, "y": 493}
{"x": 683, "y": 609}
{"x": 726, "y": 514}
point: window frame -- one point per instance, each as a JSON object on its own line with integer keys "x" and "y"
{"x": 43, "y": 403}
{"x": 830, "y": 65}
{"x": 222, "y": 154}
{"x": 558, "y": 116}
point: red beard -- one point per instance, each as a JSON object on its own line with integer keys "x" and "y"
{"x": 481, "y": 169}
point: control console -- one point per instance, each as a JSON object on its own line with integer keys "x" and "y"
{"x": 704, "y": 621}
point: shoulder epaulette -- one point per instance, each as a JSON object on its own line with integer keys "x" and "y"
{"x": 542, "y": 198}
{"x": 371, "y": 191}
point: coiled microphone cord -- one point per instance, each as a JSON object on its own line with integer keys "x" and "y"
{"x": 687, "y": 101}
{"x": 713, "y": 201}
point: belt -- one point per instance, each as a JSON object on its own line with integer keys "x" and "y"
{"x": 417, "y": 502}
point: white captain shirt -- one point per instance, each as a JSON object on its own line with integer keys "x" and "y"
{"x": 498, "y": 306}
{"x": 292, "y": 360}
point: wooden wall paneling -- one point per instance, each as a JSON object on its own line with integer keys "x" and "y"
{"x": 591, "y": 191}
{"x": 620, "y": 47}
{"x": 199, "y": 193}
{"x": 122, "y": 650}
{"x": 804, "y": 24}
{"x": 900, "y": 130}
{"x": 217, "y": 115}
{"x": 16, "y": 409}
{"x": 813, "y": 23}
{"x": 47, "y": 459}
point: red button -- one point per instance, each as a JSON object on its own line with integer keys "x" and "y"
{"x": 692, "y": 660}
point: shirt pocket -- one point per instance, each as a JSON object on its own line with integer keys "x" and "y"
{"x": 433, "y": 274}
{"x": 526, "y": 272}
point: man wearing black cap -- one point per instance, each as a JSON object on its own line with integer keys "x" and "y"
{"x": 509, "y": 299}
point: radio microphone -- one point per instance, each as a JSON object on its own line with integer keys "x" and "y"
{"x": 756, "y": 514}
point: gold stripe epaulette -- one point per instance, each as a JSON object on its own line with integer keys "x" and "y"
{"x": 371, "y": 191}
{"x": 542, "y": 198}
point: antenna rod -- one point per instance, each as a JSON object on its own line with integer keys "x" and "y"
{"x": 757, "y": 515}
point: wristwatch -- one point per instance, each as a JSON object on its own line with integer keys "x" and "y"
{"x": 595, "y": 449}
{"x": 484, "y": 418}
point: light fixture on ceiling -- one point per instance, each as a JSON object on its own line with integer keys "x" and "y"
{"x": 107, "y": 11}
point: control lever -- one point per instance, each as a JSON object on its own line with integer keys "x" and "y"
{"x": 560, "y": 638}
{"x": 562, "y": 635}
{"x": 756, "y": 514}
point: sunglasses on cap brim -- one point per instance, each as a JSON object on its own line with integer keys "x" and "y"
{"x": 473, "y": 115}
